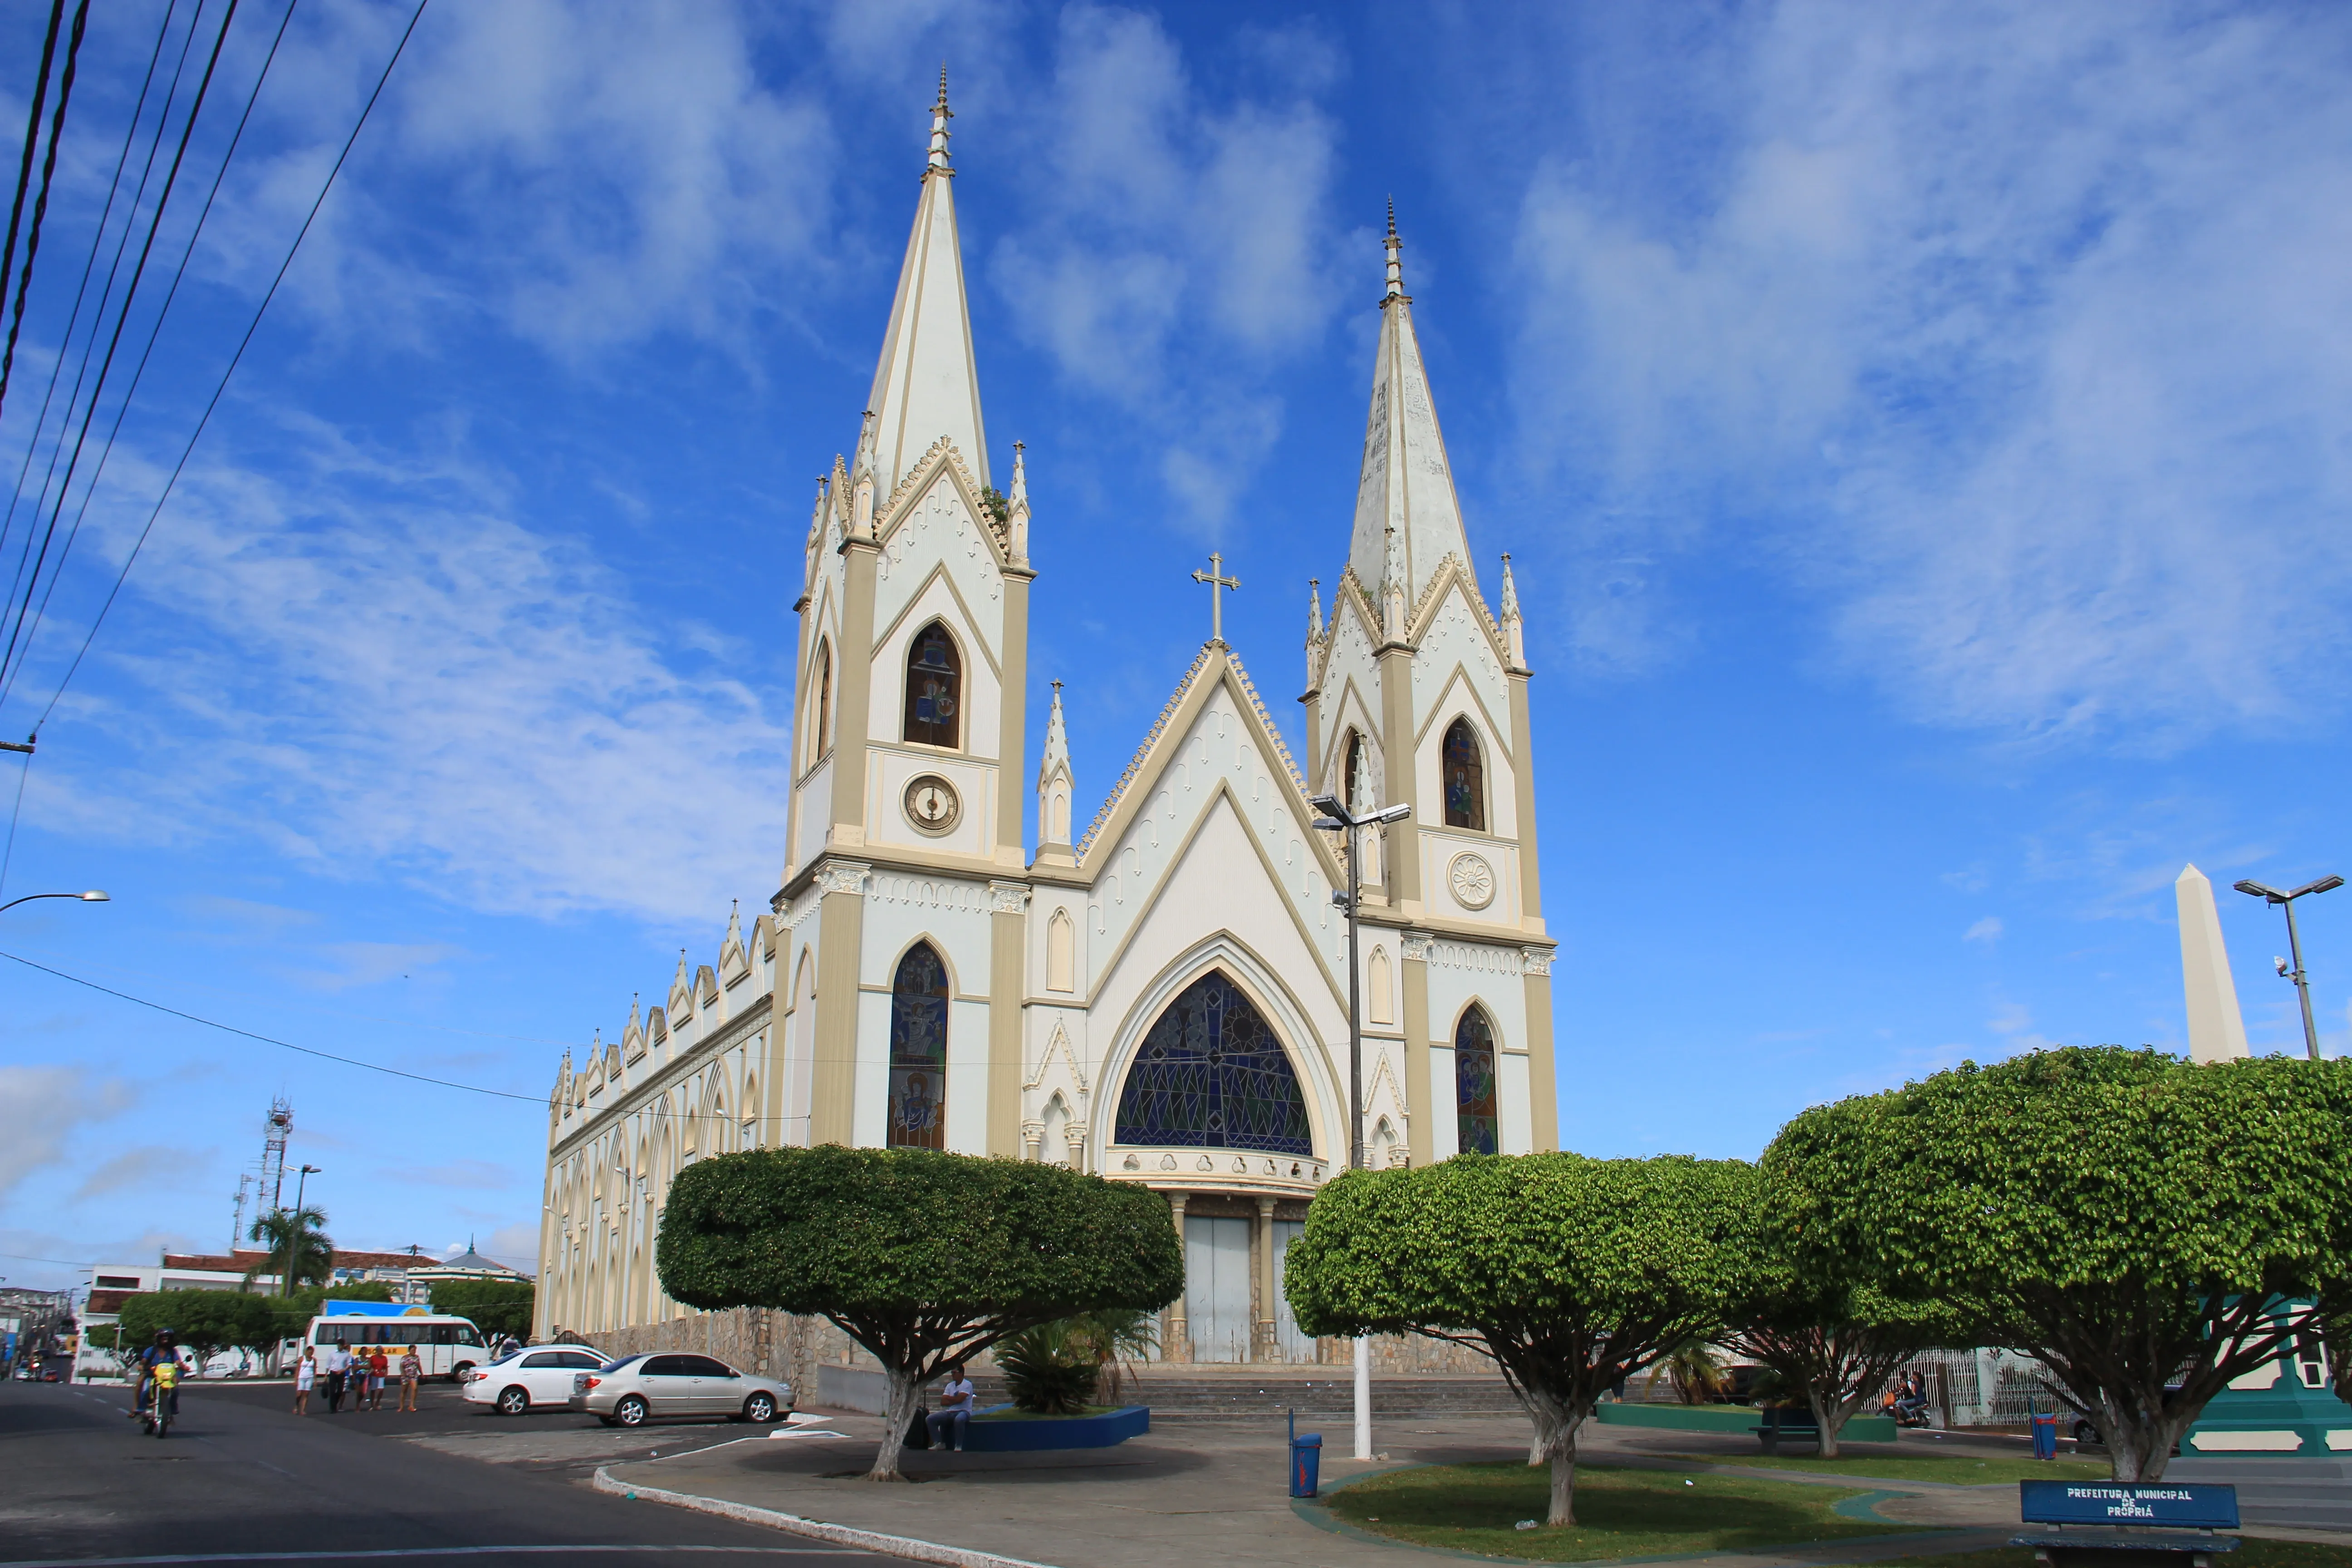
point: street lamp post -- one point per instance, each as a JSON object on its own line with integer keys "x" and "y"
{"x": 92, "y": 897}
{"x": 293, "y": 1233}
{"x": 2294, "y": 945}
{"x": 1337, "y": 818}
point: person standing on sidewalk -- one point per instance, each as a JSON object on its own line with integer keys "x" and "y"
{"x": 306, "y": 1373}
{"x": 379, "y": 1364}
{"x": 339, "y": 1366}
{"x": 412, "y": 1367}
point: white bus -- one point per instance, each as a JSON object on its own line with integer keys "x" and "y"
{"x": 449, "y": 1346}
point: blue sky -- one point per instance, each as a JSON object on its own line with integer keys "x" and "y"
{"x": 1920, "y": 434}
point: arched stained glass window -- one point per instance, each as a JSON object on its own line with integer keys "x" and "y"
{"x": 1465, "y": 778}
{"x": 934, "y": 688}
{"x": 1210, "y": 1075}
{"x": 919, "y": 1051}
{"x": 1474, "y": 1083}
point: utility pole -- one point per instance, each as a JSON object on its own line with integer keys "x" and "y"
{"x": 1338, "y": 817}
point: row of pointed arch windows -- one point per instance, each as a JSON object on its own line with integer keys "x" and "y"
{"x": 934, "y": 707}
{"x": 1210, "y": 1072}
{"x": 1462, "y": 768}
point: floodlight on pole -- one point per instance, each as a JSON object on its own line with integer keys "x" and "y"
{"x": 1338, "y": 818}
{"x": 2253, "y": 889}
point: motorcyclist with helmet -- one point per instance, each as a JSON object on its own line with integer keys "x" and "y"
{"x": 164, "y": 1350}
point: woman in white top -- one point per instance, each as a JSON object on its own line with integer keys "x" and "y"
{"x": 306, "y": 1373}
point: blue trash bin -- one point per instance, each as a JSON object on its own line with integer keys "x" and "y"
{"x": 1305, "y": 1463}
{"x": 2045, "y": 1437}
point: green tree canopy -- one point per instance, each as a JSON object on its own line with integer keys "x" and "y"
{"x": 1573, "y": 1274}
{"x": 295, "y": 1245}
{"x": 924, "y": 1258}
{"x": 206, "y": 1321}
{"x": 2140, "y": 1225}
{"x": 496, "y": 1306}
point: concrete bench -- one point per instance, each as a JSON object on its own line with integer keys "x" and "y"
{"x": 2128, "y": 1524}
{"x": 1786, "y": 1421}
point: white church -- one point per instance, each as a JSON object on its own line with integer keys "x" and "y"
{"x": 1157, "y": 995}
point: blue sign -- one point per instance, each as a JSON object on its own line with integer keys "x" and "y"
{"x": 340, "y": 1309}
{"x": 2178, "y": 1505}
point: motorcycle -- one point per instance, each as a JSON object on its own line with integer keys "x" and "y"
{"x": 163, "y": 1398}
{"x": 1912, "y": 1415}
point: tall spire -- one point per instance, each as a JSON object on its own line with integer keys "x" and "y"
{"x": 1055, "y": 788}
{"x": 1515, "y": 641}
{"x": 2216, "y": 1030}
{"x": 926, "y": 385}
{"x": 1314, "y": 610}
{"x": 1406, "y": 483}
{"x": 1016, "y": 510}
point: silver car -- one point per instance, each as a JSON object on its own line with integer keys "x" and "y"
{"x": 637, "y": 1389}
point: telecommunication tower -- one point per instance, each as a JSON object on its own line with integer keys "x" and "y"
{"x": 236, "y": 1225}
{"x": 273, "y": 1133}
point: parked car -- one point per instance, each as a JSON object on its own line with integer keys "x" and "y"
{"x": 637, "y": 1389}
{"x": 536, "y": 1377}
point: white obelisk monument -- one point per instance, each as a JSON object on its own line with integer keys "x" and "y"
{"x": 2216, "y": 1032}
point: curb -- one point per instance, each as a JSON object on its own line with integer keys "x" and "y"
{"x": 839, "y": 1535}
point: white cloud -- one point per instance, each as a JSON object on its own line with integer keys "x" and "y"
{"x": 584, "y": 175}
{"x": 368, "y": 665}
{"x": 1175, "y": 242}
{"x": 40, "y": 1106}
{"x": 2020, "y": 337}
{"x": 1986, "y": 929}
{"x": 151, "y": 1166}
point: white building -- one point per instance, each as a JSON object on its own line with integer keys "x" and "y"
{"x": 1162, "y": 996}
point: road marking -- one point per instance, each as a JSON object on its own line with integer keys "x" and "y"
{"x": 408, "y": 1552}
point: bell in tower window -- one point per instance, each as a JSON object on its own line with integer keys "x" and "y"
{"x": 934, "y": 688}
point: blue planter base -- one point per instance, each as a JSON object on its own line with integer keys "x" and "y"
{"x": 1037, "y": 1434}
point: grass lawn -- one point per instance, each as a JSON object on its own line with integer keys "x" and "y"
{"x": 1883, "y": 1460}
{"x": 1620, "y": 1513}
{"x": 2253, "y": 1554}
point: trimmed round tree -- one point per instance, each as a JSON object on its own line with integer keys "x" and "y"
{"x": 924, "y": 1258}
{"x": 1573, "y": 1274}
{"x": 2145, "y": 1227}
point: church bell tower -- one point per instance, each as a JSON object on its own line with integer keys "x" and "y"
{"x": 907, "y": 794}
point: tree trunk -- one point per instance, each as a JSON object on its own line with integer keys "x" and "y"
{"x": 898, "y": 1416}
{"x": 2139, "y": 1451}
{"x": 1828, "y": 1415}
{"x": 1563, "y": 1478}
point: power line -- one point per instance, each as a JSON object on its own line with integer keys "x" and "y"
{"x": 234, "y": 360}
{"x": 162, "y": 200}
{"x": 268, "y": 1040}
{"x": 89, "y": 267}
{"x": 155, "y": 332}
{"x": 41, "y": 201}
{"x": 32, "y": 142}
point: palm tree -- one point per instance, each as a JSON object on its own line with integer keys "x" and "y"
{"x": 294, "y": 1242}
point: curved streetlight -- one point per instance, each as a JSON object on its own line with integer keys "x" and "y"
{"x": 92, "y": 897}
{"x": 2295, "y": 944}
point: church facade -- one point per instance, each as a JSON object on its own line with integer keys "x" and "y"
{"x": 1158, "y": 996}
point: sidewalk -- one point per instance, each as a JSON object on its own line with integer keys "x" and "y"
{"x": 1190, "y": 1493}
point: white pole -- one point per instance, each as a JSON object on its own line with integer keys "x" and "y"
{"x": 1363, "y": 1397}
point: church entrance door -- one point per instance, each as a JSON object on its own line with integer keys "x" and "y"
{"x": 1217, "y": 1287}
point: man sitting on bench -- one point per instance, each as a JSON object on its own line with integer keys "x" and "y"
{"x": 954, "y": 1413}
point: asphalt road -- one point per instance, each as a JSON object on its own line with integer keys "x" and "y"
{"x": 240, "y": 1480}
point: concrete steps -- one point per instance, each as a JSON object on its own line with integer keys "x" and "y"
{"x": 2308, "y": 1494}
{"x": 1197, "y": 1392}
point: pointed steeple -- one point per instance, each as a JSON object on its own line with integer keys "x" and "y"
{"x": 816, "y": 512}
{"x": 1016, "y": 512}
{"x": 1514, "y": 635}
{"x": 1314, "y": 611}
{"x": 1406, "y": 484}
{"x": 926, "y": 385}
{"x": 734, "y": 924}
{"x": 1056, "y": 787}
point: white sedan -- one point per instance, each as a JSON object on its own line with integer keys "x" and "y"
{"x": 539, "y": 1377}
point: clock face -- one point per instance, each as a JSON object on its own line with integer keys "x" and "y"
{"x": 1472, "y": 882}
{"x": 932, "y": 804}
